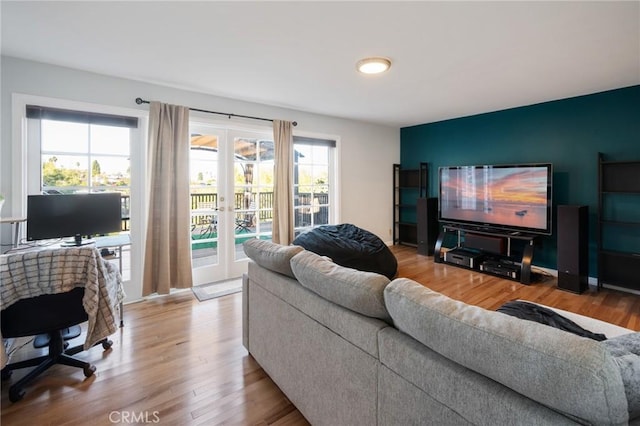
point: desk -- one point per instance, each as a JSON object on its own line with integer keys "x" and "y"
{"x": 33, "y": 273}
{"x": 15, "y": 221}
{"x": 117, "y": 242}
{"x": 114, "y": 241}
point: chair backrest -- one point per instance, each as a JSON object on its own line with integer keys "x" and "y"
{"x": 43, "y": 314}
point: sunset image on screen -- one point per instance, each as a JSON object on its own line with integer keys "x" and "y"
{"x": 508, "y": 196}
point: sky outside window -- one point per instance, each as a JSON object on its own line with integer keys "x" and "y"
{"x": 78, "y": 148}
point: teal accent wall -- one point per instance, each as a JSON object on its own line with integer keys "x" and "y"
{"x": 568, "y": 133}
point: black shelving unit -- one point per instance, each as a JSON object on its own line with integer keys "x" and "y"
{"x": 618, "y": 223}
{"x": 408, "y": 186}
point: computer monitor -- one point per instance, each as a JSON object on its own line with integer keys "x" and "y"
{"x": 73, "y": 215}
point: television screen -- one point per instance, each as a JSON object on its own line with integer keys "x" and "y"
{"x": 73, "y": 215}
{"x": 510, "y": 197}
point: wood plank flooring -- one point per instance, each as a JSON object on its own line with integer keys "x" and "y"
{"x": 181, "y": 362}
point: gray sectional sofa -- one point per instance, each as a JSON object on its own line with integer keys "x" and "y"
{"x": 349, "y": 347}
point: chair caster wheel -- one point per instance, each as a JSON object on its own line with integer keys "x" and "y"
{"x": 89, "y": 370}
{"x": 16, "y": 394}
{"x": 106, "y": 344}
{"x": 6, "y": 374}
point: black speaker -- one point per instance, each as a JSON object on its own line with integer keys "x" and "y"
{"x": 485, "y": 243}
{"x": 427, "y": 225}
{"x": 573, "y": 244}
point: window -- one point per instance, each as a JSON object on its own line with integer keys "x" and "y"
{"x": 84, "y": 152}
{"x": 77, "y": 152}
{"x": 313, "y": 182}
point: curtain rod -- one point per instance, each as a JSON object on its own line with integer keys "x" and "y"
{"x": 140, "y": 101}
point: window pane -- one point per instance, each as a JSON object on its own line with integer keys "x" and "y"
{"x": 65, "y": 170}
{"x": 245, "y": 149}
{"x": 322, "y": 191}
{"x": 265, "y": 171}
{"x": 203, "y": 167}
{"x": 109, "y": 140}
{"x": 110, "y": 171}
{"x": 305, "y": 174}
{"x": 322, "y": 217}
{"x": 320, "y": 175}
{"x": 303, "y": 154}
{"x": 243, "y": 172}
{"x": 62, "y": 136}
{"x": 320, "y": 155}
{"x": 266, "y": 151}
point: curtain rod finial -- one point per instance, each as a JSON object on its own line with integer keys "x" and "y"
{"x": 294, "y": 123}
{"x": 139, "y": 101}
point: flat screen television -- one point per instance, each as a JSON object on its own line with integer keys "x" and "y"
{"x": 73, "y": 215}
{"x": 513, "y": 198}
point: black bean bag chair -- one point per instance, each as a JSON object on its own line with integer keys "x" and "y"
{"x": 350, "y": 246}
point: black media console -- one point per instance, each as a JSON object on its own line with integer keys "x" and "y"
{"x": 501, "y": 253}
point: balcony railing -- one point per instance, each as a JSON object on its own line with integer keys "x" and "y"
{"x": 318, "y": 207}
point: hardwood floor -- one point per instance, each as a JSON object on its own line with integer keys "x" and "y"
{"x": 181, "y": 362}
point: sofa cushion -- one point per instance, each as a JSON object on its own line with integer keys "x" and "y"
{"x": 272, "y": 256}
{"x": 626, "y": 352}
{"x": 358, "y": 329}
{"x": 359, "y": 291}
{"x": 571, "y": 374}
{"x": 434, "y": 378}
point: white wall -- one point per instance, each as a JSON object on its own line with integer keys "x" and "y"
{"x": 366, "y": 151}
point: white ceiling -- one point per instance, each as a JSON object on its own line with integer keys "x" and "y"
{"x": 450, "y": 59}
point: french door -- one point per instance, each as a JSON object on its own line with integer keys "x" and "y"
{"x": 231, "y": 174}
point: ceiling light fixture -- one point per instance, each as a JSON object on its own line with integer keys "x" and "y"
{"x": 375, "y": 65}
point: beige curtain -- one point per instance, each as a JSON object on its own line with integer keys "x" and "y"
{"x": 167, "y": 261}
{"x": 283, "y": 183}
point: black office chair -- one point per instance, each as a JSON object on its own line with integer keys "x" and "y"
{"x": 54, "y": 317}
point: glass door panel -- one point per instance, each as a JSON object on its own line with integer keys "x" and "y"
{"x": 205, "y": 180}
{"x": 252, "y": 190}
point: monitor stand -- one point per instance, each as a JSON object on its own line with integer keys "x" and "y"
{"x": 77, "y": 242}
